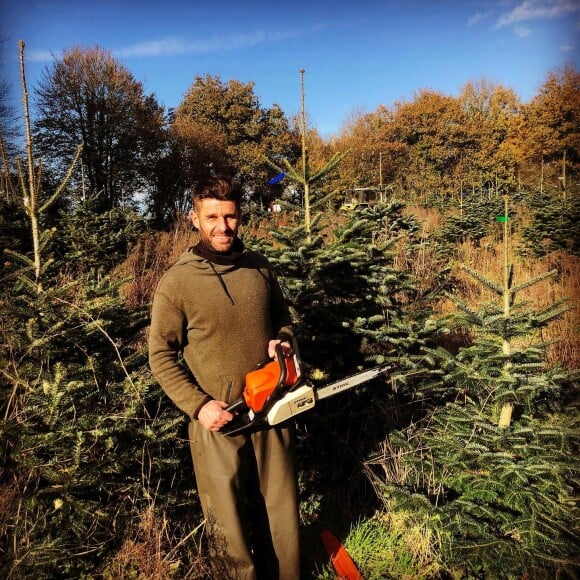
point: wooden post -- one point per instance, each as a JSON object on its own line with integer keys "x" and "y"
{"x": 564, "y": 173}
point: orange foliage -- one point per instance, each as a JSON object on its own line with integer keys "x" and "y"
{"x": 483, "y": 137}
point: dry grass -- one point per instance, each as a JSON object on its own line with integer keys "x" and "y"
{"x": 424, "y": 265}
{"x": 391, "y": 466}
{"x": 154, "y": 554}
{"x": 428, "y": 218}
{"x": 150, "y": 259}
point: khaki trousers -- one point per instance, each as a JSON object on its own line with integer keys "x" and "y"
{"x": 248, "y": 492}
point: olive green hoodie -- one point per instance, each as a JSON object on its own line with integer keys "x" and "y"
{"x": 221, "y": 319}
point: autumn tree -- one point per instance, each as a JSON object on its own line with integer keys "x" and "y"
{"x": 88, "y": 97}
{"x": 376, "y": 156}
{"x": 554, "y": 121}
{"x": 490, "y": 111}
{"x": 192, "y": 151}
{"x": 432, "y": 127}
{"x": 227, "y": 117}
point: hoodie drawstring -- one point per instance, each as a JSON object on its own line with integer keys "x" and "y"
{"x": 221, "y": 282}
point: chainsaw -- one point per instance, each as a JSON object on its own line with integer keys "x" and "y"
{"x": 273, "y": 393}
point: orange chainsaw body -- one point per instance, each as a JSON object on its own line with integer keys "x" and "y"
{"x": 261, "y": 382}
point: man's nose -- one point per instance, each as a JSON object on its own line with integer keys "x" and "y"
{"x": 222, "y": 223}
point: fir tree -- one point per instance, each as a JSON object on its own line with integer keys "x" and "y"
{"x": 83, "y": 447}
{"x": 497, "y": 457}
{"x": 555, "y": 225}
{"x": 83, "y": 451}
{"x": 353, "y": 307}
{"x": 305, "y": 176}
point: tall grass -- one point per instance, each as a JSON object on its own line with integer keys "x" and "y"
{"x": 149, "y": 260}
{"x": 396, "y": 544}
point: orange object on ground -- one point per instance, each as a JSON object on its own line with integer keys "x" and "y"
{"x": 342, "y": 562}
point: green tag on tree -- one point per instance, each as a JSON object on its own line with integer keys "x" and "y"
{"x": 501, "y": 218}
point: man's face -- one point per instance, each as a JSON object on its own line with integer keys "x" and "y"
{"x": 217, "y": 221}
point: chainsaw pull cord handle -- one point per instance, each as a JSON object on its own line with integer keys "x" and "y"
{"x": 240, "y": 403}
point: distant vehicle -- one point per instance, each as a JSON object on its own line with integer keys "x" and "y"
{"x": 359, "y": 197}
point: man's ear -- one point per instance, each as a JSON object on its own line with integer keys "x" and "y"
{"x": 194, "y": 218}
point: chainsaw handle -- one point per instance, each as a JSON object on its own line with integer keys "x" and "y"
{"x": 240, "y": 403}
{"x": 283, "y": 370}
{"x": 237, "y": 405}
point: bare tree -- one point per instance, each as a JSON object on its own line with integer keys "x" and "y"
{"x": 87, "y": 97}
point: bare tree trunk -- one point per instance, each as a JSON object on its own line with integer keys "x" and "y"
{"x": 304, "y": 162}
{"x": 30, "y": 200}
{"x": 507, "y": 408}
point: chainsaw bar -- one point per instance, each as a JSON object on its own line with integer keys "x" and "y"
{"x": 350, "y": 382}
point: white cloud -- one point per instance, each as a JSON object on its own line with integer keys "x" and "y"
{"x": 38, "y": 56}
{"x": 522, "y": 31}
{"x": 172, "y": 46}
{"x": 538, "y": 10}
{"x": 479, "y": 16}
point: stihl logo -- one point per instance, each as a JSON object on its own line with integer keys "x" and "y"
{"x": 303, "y": 401}
{"x": 340, "y": 386}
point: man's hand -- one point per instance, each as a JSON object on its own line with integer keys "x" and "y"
{"x": 286, "y": 348}
{"x": 212, "y": 415}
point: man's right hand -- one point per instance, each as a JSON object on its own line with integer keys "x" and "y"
{"x": 212, "y": 415}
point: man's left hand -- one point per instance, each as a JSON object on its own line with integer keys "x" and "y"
{"x": 286, "y": 348}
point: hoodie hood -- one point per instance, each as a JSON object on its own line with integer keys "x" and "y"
{"x": 218, "y": 267}
{"x": 222, "y": 258}
{"x": 202, "y": 250}
{"x": 190, "y": 258}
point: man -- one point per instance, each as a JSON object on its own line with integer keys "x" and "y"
{"x": 222, "y": 308}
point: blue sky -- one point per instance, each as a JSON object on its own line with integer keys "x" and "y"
{"x": 357, "y": 54}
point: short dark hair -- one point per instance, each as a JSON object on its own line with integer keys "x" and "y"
{"x": 218, "y": 187}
